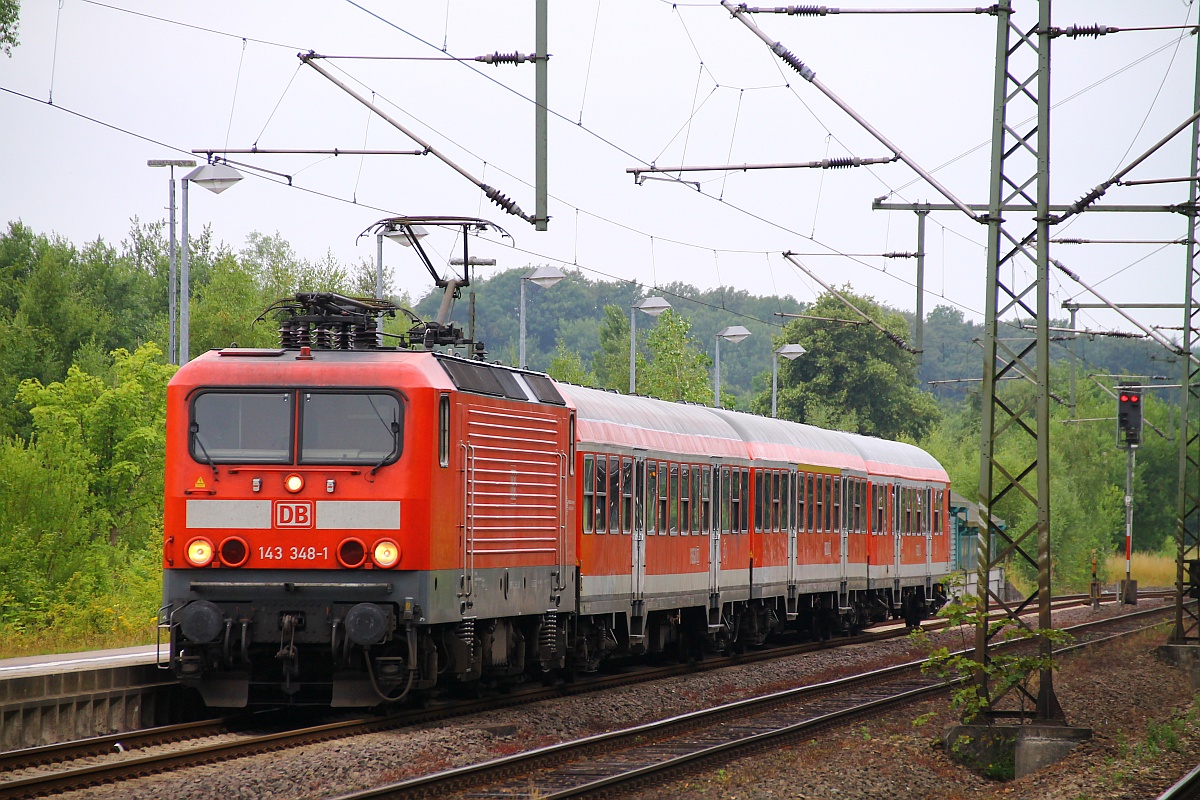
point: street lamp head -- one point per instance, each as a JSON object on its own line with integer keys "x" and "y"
{"x": 545, "y": 276}
{"x": 652, "y": 305}
{"x": 734, "y": 333}
{"x": 406, "y": 234}
{"x": 791, "y": 351}
{"x": 214, "y": 177}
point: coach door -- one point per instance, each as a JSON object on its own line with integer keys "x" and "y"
{"x": 721, "y": 522}
{"x": 897, "y": 507}
{"x": 639, "y": 530}
{"x": 841, "y": 517}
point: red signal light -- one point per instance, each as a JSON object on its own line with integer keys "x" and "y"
{"x": 1133, "y": 398}
{"x": 1124, "y": 398}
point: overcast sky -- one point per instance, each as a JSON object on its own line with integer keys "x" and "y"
{"x": 631, "y": 83}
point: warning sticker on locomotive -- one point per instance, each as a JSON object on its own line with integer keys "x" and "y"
{"x": 294, "y": 514}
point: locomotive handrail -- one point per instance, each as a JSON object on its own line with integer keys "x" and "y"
{"x": 468, "y": 542}
{"x": 288, "y": 586}
{"x": 293, "y": 468}
{"x": 561, "y": 514}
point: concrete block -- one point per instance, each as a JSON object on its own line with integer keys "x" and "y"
{"x": 1004, "y": 752}
{"x": 1042, "y": 745}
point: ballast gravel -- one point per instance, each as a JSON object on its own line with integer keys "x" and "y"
{"x": 1146, "y": 735}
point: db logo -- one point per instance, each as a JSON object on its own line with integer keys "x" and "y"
{"x": 294, "y": 514}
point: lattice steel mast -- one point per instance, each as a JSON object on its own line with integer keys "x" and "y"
{"x": 1020, "y": 165}
{"x": 1187, "y": 509}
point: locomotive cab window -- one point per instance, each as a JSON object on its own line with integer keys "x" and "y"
{"x": 242, "y": 428}
{"x": 444, "y": 431}
{"x": 350, "y": 428}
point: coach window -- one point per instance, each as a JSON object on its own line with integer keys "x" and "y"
{"x": 837, "y": 504}
{"x": 776, "y": 496}
{"x": 626, "y": 494}
{"x": 589, "y": 494}
{"x": 735, "y": 502}
{"x": 908, "y": 510}
{"x": 881, "y": 498}
{"x": 745, "y": 505}
{"x": 938, "y": 499}
{"x": 685, "y": 499}
{"x": 614, "y": 494}
{"x": 860, "y": 491}
{"x": 819, "y": 501}
{"x": 723, "y": 501}
{"x": 664, "y": 499}
{"x": 673, "y": 501}
{"x": 706, "y": 475}
{"x": 601, "y": 494}
{"x": 697, "y": 503}
{"x": 784, "y": 501}
{"x": 829, "y": 515}
{"x": 758, "y": 499}
{"x": 801, "y": 505}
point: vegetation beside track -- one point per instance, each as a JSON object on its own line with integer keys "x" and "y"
{"x": 82, "y": 368}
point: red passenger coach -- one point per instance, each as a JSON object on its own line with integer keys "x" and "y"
{"x": 347, "y": 523}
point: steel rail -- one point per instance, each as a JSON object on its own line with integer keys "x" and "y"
{"x": 660, "y": 757}
{"x": 126, "y": 767}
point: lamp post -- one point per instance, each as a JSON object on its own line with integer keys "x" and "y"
{"x": 735, "y": 334}
{"x": 652, "y": 306}
{"x": 216, "y": 178}
{"x": 545, "y": 277}
{"x": 172, "y": 275}
{"x": 789, "y": 351}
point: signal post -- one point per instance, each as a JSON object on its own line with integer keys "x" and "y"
{"x": 1129, "y": 436}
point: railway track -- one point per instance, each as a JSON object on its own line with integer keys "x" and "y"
{"x": 106, "y": 759}
{"x": 618, "y": 762}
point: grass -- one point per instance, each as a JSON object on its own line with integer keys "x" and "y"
{"x": 1150, "y": 570}
{"x": 18, "y": 643}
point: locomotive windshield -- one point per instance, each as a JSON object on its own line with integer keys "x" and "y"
{"x": 334, "y": 427}
{"x": 242, "y": 428}
{"x": 349, "y": 428}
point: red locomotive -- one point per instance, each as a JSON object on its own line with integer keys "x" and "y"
{"x": 347, "y": 523}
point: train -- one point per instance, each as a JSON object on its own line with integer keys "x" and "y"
{"x": 348, "y": 524}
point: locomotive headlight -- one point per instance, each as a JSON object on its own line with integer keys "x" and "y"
{"x": 199, "y": 552}
{"x": 293, "y": 483}
{"x": 386, "y": 553}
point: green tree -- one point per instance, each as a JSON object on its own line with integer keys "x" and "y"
{"x": 677, "y": 368}
{"x": 118, "y": 432}
{"x": 567, "y": 366}
{"x": 852, "y": 378}
{"x": 10, "y": 14}
{"x": 611, "y": 360}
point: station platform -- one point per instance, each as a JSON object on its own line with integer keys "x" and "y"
{"x": 53, "y": 698}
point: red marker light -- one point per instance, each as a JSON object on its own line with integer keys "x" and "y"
{"x": 1124, "y": 398}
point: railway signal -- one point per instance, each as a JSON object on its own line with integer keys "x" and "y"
{"x": 1129, "y": 415}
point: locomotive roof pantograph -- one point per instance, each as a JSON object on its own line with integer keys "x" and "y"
{"x": 409, "y": 231}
